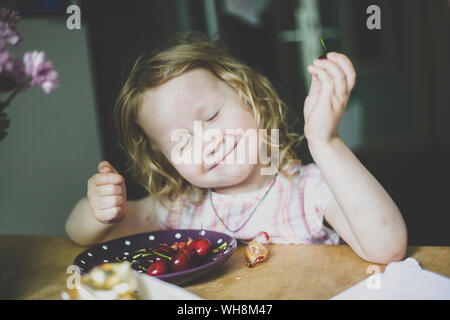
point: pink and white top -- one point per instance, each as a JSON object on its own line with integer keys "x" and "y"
{"x": 292, "y": 211}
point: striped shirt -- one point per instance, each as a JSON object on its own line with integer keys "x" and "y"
{"x": 292, "y": 211}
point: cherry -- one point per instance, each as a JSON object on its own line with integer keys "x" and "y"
{"x": 164, "y": 252}
{"x": 178, "y": 257}
{"x": 181, "y": 245}
{"x": 190, "y": 252}
{"x": 181, "y": 261}
{"x": 165, "y": 249}
{"x": 201, "y": 246}
{"x": 157, "y": 268}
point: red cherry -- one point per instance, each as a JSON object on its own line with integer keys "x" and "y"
{"x": 201, "y": 246}
{"x": 181, "y": 261}
{"x": 165, "y": 249}
{"x": 166, "y": 252}
{"x": 157, "y": 268}
{"x": 163, "y": 252}
{"x": 190, "y": 252}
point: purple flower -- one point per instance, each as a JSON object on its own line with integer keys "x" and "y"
{"x": 9, "y": 15}
{"x": 6, "y": 62}
{"x": 9, "y": 34}
{"x": 19, "y": 72}
{"x": 34, "y": 70}
{"x": 40, "y": 71}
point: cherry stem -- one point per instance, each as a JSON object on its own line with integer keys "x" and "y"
{"x": 161, "y": 255}
{"x": 323, "y": 45}
{"x": 223, "y": 245}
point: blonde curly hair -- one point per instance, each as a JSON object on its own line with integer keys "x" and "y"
{"x": 182, "y": 53}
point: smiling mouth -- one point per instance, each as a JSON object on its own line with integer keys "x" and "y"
{"x": 222, "y": 161}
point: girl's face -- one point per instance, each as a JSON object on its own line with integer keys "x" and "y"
{"x": 199, "y": 100}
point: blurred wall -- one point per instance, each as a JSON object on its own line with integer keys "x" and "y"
{"x": 53, "y": 144}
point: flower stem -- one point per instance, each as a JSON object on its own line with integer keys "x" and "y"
{"x": 3, "y": 105}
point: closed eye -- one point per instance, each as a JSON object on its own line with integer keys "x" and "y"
{"x": 215, "y": 115}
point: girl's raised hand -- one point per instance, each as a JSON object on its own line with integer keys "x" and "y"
{"x": 107, "y": 194}
{"x": 332, "y": 81}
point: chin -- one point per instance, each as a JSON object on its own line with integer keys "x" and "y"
{"x": 229, "y": 175}
{"x": 224, "y": 175}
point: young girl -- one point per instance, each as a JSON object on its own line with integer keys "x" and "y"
{"x": 195, "y": 84}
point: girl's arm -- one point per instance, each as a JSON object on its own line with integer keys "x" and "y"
{"x": 82, "y": 226}
{"x": 84, "y": 229}
{"x": 363, "y": 214}
{"x": 141, "y": 217}
{"x": 105, "y": 213}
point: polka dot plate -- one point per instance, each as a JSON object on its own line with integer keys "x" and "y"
{"x": 123, "y": 249}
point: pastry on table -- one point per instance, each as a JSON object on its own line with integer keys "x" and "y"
{"x": 109, "y": 281}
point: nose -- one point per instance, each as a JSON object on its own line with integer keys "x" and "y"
{"x": 216, "y": 150}
{"x": 212, "y": 146}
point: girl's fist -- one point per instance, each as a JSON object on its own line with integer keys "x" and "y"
{"x": 107, "y": 194}
{"x": 333, "y": 79}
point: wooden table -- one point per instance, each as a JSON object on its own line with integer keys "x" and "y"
{"x": 34, "y": 267}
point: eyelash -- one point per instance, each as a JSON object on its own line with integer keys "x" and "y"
{"x": 210, "y": 119}
{"x": 214, "y": 116}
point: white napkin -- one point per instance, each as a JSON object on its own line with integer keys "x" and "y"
{"x": 151, "y": 288}
{"x": 404, "y": 280}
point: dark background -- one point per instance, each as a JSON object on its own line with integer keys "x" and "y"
{"x": 414, "y": 177}
{"x": 402, "y": 82}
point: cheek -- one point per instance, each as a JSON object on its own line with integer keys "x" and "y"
{"x": 193, "y": 173}
{"x": 250, "y": 129}
{"x": 240, "y": 118}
